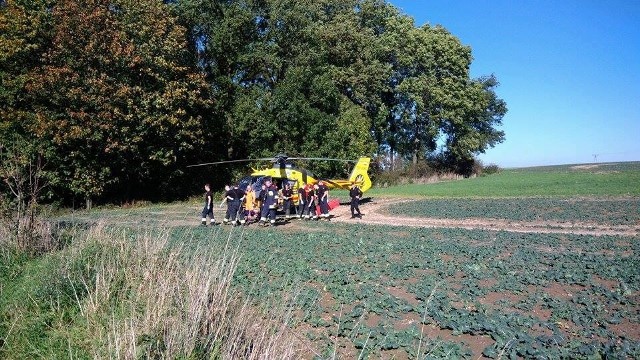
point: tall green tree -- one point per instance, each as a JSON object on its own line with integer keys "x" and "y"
{"x": 476, "y": 128}
{"x": 116, "y": 96}
{"x": 23, "y": 39}
{"x": 431, "y": 99}
{"x": 285, "y": 81}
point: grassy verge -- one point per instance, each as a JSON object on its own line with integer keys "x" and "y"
{"x": 124, "y": 294}
{"x": 620, "y": 179}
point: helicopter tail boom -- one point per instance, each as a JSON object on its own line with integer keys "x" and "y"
{"x": 359, "y": 175}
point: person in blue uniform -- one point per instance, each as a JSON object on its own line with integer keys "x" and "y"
{"x": 233, "y": 202}
{"x": 236, "y": 206}
{"x": 270, "y": 204}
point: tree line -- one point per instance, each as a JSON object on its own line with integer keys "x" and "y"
{"x": 112, "y": 99}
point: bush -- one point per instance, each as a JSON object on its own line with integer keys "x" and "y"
{"x": 422, "y": 173}
{"x": 491, "y": 169}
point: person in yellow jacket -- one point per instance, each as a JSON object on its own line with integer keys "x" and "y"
{"x": 249, "y": 207}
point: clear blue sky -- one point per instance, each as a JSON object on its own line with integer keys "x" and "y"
{"x": 569, "y": 71}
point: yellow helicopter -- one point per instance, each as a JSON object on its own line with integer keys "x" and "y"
{"x": 283, "y": 171}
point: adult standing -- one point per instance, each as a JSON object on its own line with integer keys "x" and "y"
{"x": 311, "y": 202}
{"x": 355, "y": 193}
{"x": 232, "y": 201}
{"x": 236, "y": 211}
{"x": 287, "y": 197}
{"x": 302, "y": 195}
{"x": 270, "y": 204}
{"x": 208, "y": 206}
{"x": 323, "y": 199}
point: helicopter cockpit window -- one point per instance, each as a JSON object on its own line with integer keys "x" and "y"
{"x": 280, "y": 183}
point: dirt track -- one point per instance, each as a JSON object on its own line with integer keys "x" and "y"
{"x": 374, "y": 214}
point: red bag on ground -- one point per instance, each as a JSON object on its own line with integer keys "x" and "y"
{"x": 333, "y": 203}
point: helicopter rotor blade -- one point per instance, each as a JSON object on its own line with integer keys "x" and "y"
{"x": 230, "y": 161}
{"x": 279, "y": 158}
{"x": 322, "y": 159}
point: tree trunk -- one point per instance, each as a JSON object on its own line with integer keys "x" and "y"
{"x": 392, "y": 160}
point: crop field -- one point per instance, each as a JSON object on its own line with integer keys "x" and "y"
{"x": 479, "y": 277}
{"x": 581, "y": 210}
{"x": 395, "y": 292}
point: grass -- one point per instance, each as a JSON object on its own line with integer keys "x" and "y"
{"x": 620, "y": 179}
{"x": 118, "y": 293}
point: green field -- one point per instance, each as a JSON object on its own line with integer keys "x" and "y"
{"x": 357, "y": 290}
{"x": 605, "y": 211}
{"x": 617, "y": 179}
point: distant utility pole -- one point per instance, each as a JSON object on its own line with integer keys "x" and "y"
{"x": 595, "y": 158}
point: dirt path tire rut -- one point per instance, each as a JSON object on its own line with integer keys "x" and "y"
{"x": 374, "y": 214}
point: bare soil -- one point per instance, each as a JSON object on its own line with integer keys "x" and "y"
{"x": 373, "y": 213}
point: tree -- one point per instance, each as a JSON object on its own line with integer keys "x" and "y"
{"x": 24, "y": 37}
{"x": 482, "y": 113}
{"x": 116, "y": 96}
{"x": 22, "y": 174}
{"x": 285, "y": 80}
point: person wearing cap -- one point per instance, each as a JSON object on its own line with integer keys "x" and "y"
{"x": 323, "y": 199}
{"x": 355, "y": 193}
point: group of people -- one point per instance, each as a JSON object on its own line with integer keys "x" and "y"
{"x": 245, "y": 206}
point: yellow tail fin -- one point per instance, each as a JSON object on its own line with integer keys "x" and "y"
{"x": 360, "y": 174}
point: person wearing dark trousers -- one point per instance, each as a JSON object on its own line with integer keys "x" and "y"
{"x": 287, "y": 197}
{"x": 236, "y": 206}
{"x": 302, "y": 195}
{"x": 355, "y": 193}
{"x": 262, "y": 197}
{"x": 230, "y": 198}
{"x": 270, "y": 204}
{"x": 323, "y": 199}
{"x": 311, "y": 203}
{"x": 208, "y": 206}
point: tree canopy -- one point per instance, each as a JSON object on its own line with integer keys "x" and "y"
{"x": 121, "y": 95}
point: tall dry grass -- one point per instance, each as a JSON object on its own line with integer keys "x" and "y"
{"x": 28, "y": 234}
{"x": 145, "y": 298}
